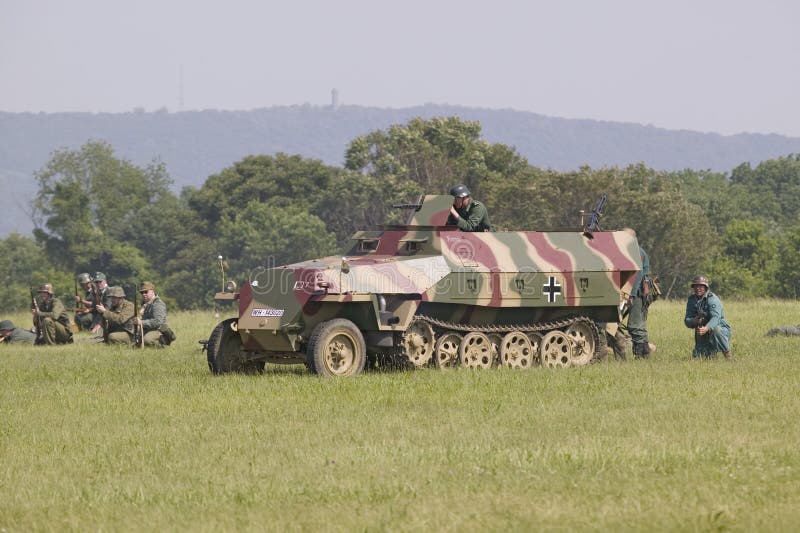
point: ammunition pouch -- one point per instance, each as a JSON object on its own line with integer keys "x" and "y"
{"x": 167, "y": 335}
{"x": 651, "y": 289}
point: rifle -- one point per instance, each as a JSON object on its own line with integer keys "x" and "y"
{"x": 138, "y": 329}
{"x": 593, "y": 224}
{"x": 99, "y": 301}
{"x": 35, "y": 310}
{"x": 79, "y": 300}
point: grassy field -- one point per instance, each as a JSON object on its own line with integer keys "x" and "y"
{"x": 107, "y": 439}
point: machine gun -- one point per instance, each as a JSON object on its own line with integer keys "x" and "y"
{"x": 138, "y": 329}
{"x": 415, "y": 207}
{"x": 593, "y": 223}
{"x": 36, "y": 322}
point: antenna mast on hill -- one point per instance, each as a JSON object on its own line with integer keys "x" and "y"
{"x": 334, "y": 99}
{"x": 180, "y": 88}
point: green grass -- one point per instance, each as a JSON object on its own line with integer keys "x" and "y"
{"x": 100, "y": 438}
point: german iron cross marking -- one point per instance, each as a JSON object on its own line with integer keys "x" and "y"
{"x": 551, "y": 289}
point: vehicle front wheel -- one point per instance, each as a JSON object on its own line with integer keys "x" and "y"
{"x": 336, "y": 348}
{"x": 224, "y": 351}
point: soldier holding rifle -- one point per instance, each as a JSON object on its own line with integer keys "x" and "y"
{"x": 84, "y": 305}
{"x": 712, "y": 333}
{"x": 10, "y": 334}
{"x": 100, "y": 297}
{"x": 51, "y": 318}
{"x": 118, "y": 317}
{"x": 154, "y": 318}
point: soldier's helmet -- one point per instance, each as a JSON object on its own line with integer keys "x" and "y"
{"x": 147, "y": 286}
{"x": 98, "y": 276}
{"x": 84, "y": 278}
{"x": 46, "y": 287}
{"x": 459, "y": 191}
{"x": 699, "y": 280}
{"x": 116, "y": 291}
{"x": 6, "y": 325}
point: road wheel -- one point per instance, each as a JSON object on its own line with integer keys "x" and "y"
{"x": 418, "y": 343}
{"x": 224, "y": 351}
{"x": 584, "y": 337}
{"x": 556, "y": 349}
{"x": 445, "y": 354}
{"x": 336, "y": 348}
{"x": 475, "y": 350}
{"x": 516, "y": 351}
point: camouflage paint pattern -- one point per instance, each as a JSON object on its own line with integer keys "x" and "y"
{"x": 393, "y": 273}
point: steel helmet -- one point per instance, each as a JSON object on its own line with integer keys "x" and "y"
{"x": 46, "y": 287}
{"x": 700, "y": 280}
{"x": 84, "y": 278}
{"x": 459, "y": 191}
{"x": 116, "y": 291}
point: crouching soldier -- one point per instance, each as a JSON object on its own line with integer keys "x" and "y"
{"x": 119, "y": 317}
{"x": 84, "y": 317}
{"x": 52, "y": 317}
{"x": 9, "y": 334}
{"x": 154, "y": 318}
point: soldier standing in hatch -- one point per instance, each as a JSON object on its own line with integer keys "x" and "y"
{"x": 712, "y": 333}
{"x": 53, "y": 317}
{"x": 154, "y": 317}
{"x": 118, "y": 317}
{"x": 9, "y": 334}
{"x": 84, "y": 306}
{"x": 466, "y": 213}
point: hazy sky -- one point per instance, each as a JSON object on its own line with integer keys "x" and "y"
{"x": 725, "y": 66}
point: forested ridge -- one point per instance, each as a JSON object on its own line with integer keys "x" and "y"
{"x": 97, "y": 210}
{"x": 196, "y": 144}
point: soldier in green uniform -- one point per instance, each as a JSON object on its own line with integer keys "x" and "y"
{"x": 712, "y": 333}
{"x": 84, "y": 317}
{"x": 639, "y": 302}
{"x": 154, "y": 318}
{"x": 9, "y": 334}
{"x": 119, "y": 316}
{"x": 53, "y": 317}
{"x": 99, "y": 295}
{"x": 466, "y": 213}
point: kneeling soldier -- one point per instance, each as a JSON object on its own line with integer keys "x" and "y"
{"x": 9, "y": 334}
{"x": 154, "y": 318}
{"x": 53, "y": 317}
{"x": 84, "y": 317}
{"x": 118, "y": 317}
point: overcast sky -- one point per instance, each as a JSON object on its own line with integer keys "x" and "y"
{"x": 723, "y": 66}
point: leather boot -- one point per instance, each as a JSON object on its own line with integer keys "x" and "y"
{"x": 641, "y": 350}
{"x": 728, "y": 355}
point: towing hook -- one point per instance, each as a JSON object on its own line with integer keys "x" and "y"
{"x": 204, "y": 342}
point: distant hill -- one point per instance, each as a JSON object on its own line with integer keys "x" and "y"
{"x": 196, "y": 144}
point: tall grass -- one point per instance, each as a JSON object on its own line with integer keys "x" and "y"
{"x": 101, "y": 438}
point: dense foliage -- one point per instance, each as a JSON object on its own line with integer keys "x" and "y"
{"x": 96, "y": 211}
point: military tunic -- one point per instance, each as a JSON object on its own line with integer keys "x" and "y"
{"x": 718, "y": 337}
{"x": 637, "y": 319}
{"x": 19, "y": 335}
{"x": 54, "y": 322}
{"x": 154, "y": 318}
{"x": 120, "y": 323}
{"x": 474, "y": 217}
{"x": 85, "y": 321}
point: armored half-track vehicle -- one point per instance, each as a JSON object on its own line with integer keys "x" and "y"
{"x": 429, "y": 294}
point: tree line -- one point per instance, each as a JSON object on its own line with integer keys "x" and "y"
{"x": 95, "y": 211}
